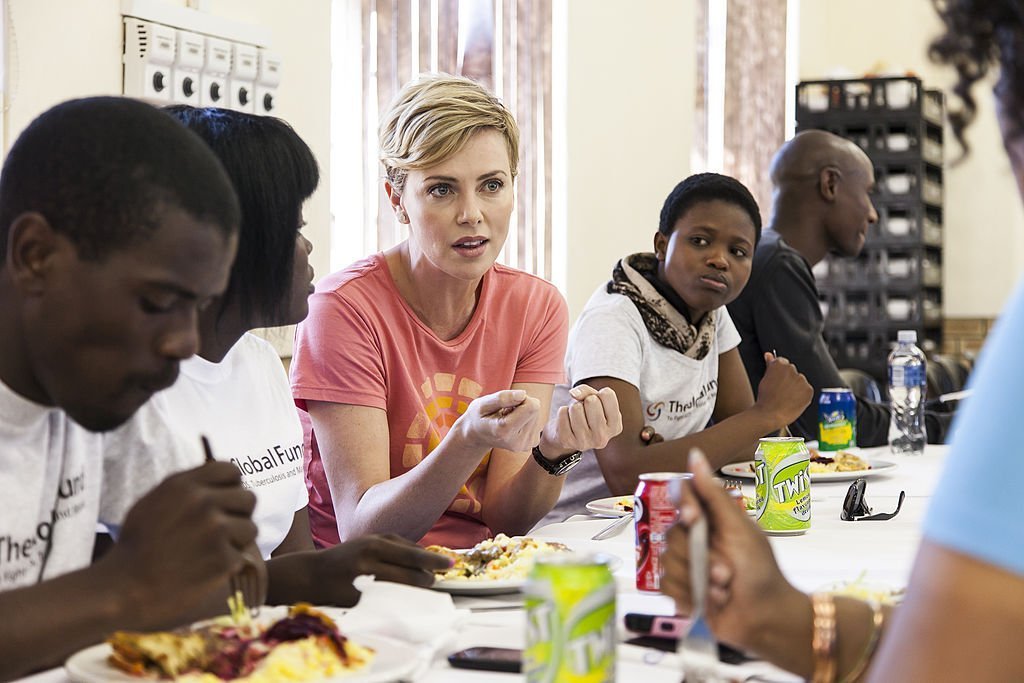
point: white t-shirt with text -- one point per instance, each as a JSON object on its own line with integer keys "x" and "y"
{"x": 50, "y": 477}
{"x": 677, "y": 393}
{"x": 243, "y": 404}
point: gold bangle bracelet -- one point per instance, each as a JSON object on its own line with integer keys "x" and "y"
{"x": 877, "y": 617}
{"x": 823, "y": 644}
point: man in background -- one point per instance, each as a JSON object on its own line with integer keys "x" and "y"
{"x": 821, "y": 204}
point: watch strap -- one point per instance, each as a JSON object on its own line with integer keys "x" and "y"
{"x": 560, "y": 466}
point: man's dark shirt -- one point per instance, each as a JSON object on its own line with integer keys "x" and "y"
{"x": 778, "y": 311}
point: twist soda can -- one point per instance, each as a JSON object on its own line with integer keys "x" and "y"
{"x": 570, "y": 620}
{"x": 655, "y": 510}
{"x": 837, "y": 419}
{"x": 783, "y": 485}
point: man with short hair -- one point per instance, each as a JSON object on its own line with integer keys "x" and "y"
{"x": 821, "y": 204}
{"x": 116, "y": 226}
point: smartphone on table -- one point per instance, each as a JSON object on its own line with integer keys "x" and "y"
{"x": 663, "y": 633}
{"x": 508, "y": 659}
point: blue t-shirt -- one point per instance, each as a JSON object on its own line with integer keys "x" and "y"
{"x": 976, "y": 508}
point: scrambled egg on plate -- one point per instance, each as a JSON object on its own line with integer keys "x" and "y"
{"x": 496, "y": 558}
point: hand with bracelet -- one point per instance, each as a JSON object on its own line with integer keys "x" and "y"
{"x": 753, "y": 607}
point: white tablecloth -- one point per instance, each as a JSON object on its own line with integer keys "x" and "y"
{"x": 832, "y": 550}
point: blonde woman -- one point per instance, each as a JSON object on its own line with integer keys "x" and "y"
{"x": 425, "y": 372}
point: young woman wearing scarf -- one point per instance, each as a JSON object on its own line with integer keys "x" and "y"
{"x": 659, "y": 336}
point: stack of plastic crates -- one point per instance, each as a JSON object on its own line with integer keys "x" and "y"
{"x": 896, "y": 282}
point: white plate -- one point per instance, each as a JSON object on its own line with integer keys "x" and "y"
{"x": 393, "y": 660}
{"x": 605, "y": 507}
{"x": 743, "y": 469}
{"x": 502, "y": 586}
{"x": 480, "y": 586}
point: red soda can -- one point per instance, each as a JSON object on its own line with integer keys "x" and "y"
{"x": 655, "y": 510}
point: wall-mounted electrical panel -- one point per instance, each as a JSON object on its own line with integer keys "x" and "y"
{"x": 188, "y": 65}
{"x": 268, "y": 76}
{"x": 215, "y": 73}
{"x": 176, "y": 54}
{"x": 242, "y": 79}
{"x": 148, "y": 58}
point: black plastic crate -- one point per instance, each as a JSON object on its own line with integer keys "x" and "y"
{"x": 866, "y": 350}
{"x": 847, "y": 309}
{"x": 884, "y": 141}
{"x": 906, "y": 141}
{"x": 908, "y": 267}
{"x": 898, "y": 267}
{"x": 869, "y": 350}
{"x": 907, "y": 310}
{"x": 839, "y": 272}
{"x": 908, "y": 181}
{"x": 906, "y": 224}
{"x": 836, "y": 100}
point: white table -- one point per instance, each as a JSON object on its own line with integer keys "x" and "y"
{"x": 832, "y": 550}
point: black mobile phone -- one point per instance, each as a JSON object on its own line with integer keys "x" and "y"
{"x": 488, "y": 659}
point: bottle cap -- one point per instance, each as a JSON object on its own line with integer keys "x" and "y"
{"x": 907, "y": 336}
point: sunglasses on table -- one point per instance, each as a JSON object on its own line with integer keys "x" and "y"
{"x": 855, "y": 506}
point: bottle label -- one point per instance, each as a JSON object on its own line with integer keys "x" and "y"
{"x": 907, "y": 375}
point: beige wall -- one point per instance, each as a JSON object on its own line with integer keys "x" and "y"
{"x": 629, "y": 106}
{"x": 628, "y": 95}
{"x": 984, "y": 222}
{"x": 72, "y": 48}
{"x": 63, "y": 50}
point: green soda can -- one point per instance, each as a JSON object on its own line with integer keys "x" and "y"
{"x": 570, "y": 620}
{"x": 783, "y": 485}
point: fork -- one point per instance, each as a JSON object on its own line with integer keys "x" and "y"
{"x": 245, "y": 588}
{"x": 699, "y": 640}
{"x": 784, "y": 431}
{"x": 244, "y": 585}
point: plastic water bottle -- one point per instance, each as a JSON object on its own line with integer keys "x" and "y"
{"x": 907, "y": 384}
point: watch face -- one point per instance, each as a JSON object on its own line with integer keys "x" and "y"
{"x": 567, "y": 464}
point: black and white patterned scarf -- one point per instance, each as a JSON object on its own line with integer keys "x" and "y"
{"x": 667, "y": 325}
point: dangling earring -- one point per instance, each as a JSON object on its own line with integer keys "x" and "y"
{"x": 402, "y": 216}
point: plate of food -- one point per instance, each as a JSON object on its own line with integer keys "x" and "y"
{"x": 613, "y": 506}
{"x": 827, "y": 466}
{"x": 493, "y": 566}
{"x": 300, "y": 643}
